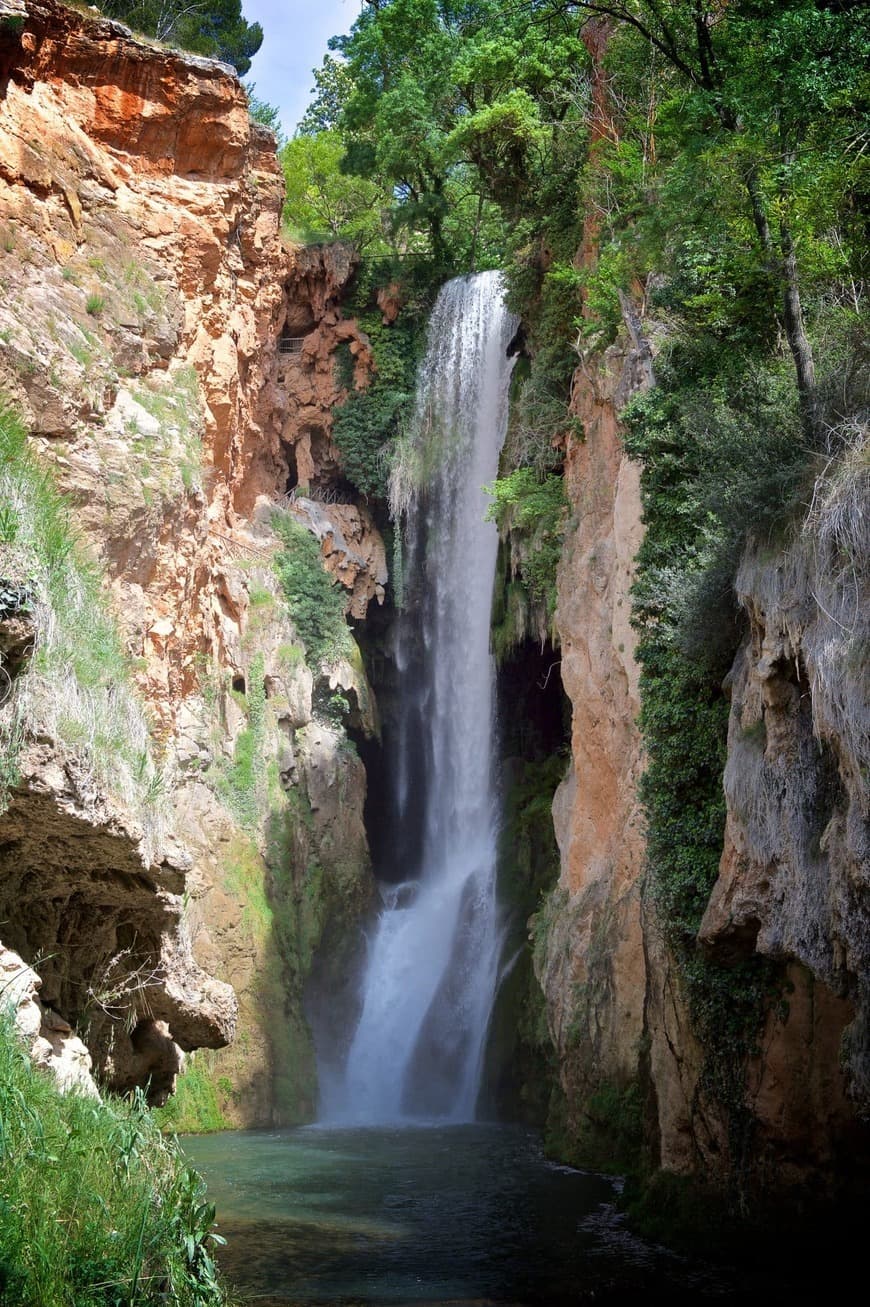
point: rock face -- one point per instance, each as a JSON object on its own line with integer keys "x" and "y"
{"x": 592, "y": 970}
{"x": 795, "y": 871}
{"x": 146, "y": 287}
{"x": 793, "y": 876}
{"x": 48, "y": 1038}
{"x": 793, "y": 880}
{"x": 116, "y": 957}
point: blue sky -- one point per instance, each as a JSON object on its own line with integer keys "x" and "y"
{"x": 296, "y": 33}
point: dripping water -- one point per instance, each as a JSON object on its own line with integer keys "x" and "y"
{"x": 432, "y": 965}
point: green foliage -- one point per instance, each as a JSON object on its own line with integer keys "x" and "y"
{"x": 451, "y": 109}
{"x": 322, "y": 203}
{"x": 333, "y": 85}
{"x": 611, "y": 1134}
{"x": 97, "y": 1207}
{"x": 242, "y": 783}
{"x": 315, "y": 600}
{"x": 533, "y": 510}
{"x": 214, "y": 28}
{"x": 718, "y": 441}
{"x": 94, "y": 304}
{"x": 368, "y": 427}
{"x": 267, "y": 115}
{"x": 194, "y": 1107}
{"x": 77, "y": 685}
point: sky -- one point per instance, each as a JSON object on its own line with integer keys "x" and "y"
{"x": 296, "y": 33}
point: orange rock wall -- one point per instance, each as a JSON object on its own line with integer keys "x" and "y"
{"x": 145, "y": 284}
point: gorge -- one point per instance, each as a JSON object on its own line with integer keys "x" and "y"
{"x": 337, "y": 786}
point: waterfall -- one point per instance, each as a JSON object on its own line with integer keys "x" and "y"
{"x": 432, "y": 963}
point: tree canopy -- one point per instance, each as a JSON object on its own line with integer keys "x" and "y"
{"x": 215, "y": 28}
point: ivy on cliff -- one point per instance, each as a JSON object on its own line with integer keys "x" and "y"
{"x": 367, "y": 425}
{"x": 713, "y": 449}
{"x": 314, "y": 598}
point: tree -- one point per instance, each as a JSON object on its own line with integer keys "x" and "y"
{"x": 333, "y": 85}
{"x": 771, "y": 74}
{"x": 214, "y": 28}
{"x": 322, "y": 202}
{"x": 443, "y": 91}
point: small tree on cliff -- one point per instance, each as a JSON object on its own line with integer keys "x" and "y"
{"x": 214, "y": 28}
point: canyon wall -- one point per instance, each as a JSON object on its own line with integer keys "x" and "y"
{"x": 145, "y": 288}
{"x": 592, "y": 969}
{"x": 792, "y": 884}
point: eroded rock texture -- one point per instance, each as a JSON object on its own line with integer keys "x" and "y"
{"x": 145, "y": 287}
{"x": 593, "y": 968}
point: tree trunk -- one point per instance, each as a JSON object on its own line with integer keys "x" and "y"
{"x": 785, "y": 270}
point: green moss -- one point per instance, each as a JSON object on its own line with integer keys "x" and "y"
{"x": 521, "y": 1059}
{"x": 241, "y": 783}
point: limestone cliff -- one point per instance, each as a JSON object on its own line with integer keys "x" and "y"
{"x": 146, "y": 288}
{"x": 792, "y": 883}
{"x": 592, "y": 969}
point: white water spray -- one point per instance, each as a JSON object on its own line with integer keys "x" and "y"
{"x": 432, "y": 966}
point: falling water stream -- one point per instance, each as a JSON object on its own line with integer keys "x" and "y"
{"x": 432, "y": 967}
{"x": 398, "y": 1196}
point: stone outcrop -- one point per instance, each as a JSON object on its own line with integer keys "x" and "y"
{"x": 592, "y": 970}
{"x": 107, "y": 927}
{"x": 793, "y": 883}
{"x": 48, "y": 1038}
{"x": 146, "y": 286}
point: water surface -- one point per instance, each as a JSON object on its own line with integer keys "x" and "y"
{"x": 452, "y": 1215}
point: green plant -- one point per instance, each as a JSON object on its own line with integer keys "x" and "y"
{"x": 315, "y": 600}
{"x": 532, "y": 509}
{"x": 241, "y": 783}
{"x": 368, "y": 427}
{"x": 95, "y": 303}
{"x": 77, "y": 687}
{"x": 8, "y": 524}
{"x": 194, "y": 1106}
{"x": 97, "y": 1207}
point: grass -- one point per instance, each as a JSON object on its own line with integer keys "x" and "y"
{"x": 77, "y": 687}
{"x": 94, "y": 304}
{"x": 97, "y": 1209}
{"x": 241, "y": 783}
{"x": 194, "y": 1107}
{"x": 175, "y": 404}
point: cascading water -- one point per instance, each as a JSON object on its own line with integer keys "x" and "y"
{"x": 432, "y": 965}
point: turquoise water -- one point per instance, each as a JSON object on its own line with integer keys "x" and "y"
{"x": 461, "y": 1214}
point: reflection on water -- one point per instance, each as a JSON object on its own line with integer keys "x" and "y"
{"x": 459, "y": 1215}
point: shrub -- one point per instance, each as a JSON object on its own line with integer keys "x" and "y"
{"x": 94, "y": 304}
{"x": 315, "y": 600}
{"x": 97, "y": 1208}
{"x": 368, "y": 427}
